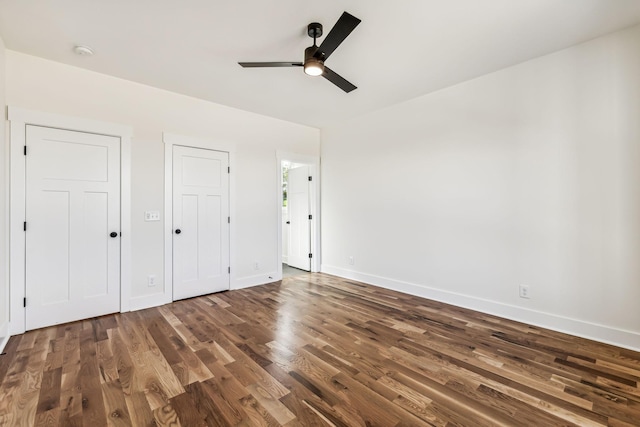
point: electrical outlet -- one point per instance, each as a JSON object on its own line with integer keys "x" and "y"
{"x": 524, "y": 291}
{"x": 256, "y": 265}
{"x": 151, "y": 280}
{"x": 352, "y": 261}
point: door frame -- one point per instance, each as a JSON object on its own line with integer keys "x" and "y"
{"x": 169, "y": 141}
{"x": 314, "y": 198}
{"x": 19, "y": 118}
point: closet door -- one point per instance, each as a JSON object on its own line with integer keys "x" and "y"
{"x": 72, "y": 226}
{"x": 200, "y": 222}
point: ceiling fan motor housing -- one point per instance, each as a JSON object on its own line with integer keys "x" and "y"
{"x": 309, "y": 52}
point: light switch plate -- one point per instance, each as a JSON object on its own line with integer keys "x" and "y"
{"x": 152, "y": 216}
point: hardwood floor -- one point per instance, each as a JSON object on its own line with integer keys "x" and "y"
{"x": 313, "y": 350}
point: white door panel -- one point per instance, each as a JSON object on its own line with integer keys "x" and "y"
{"x": 200, "y": 212}
{"x": 186, "y": 244}
{"x": 95, "y": 240}
{"x": 211, "y": 235}
{"x": 72, "y": 205}
{"x": 53, "y": 256}
{"x": 300, "y": 226}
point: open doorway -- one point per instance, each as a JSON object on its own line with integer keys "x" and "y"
{"x": 299, "y": 210}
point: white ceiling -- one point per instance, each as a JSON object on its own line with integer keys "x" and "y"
{"x": 401, "y": 50}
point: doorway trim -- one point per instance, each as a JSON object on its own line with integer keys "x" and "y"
{"x": 170, "y": 140}
{"x": 314, "y": 170}
{"x": 19, "y": 118}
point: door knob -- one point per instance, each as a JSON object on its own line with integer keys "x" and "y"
{"x": 113, "y": 234}
{"x": 288, "y": 222}
{"x": 178, "y": 231}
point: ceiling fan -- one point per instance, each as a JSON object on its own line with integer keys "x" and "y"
{"x": 315, "y": 56}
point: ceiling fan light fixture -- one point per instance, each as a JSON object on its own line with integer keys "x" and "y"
{"x": 313, "y": 67}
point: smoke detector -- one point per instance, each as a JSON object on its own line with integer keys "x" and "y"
{"x": 83, "y": 50}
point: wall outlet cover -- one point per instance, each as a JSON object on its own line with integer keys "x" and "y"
{"x": 152, "y": 216}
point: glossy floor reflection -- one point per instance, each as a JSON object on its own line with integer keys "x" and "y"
{"x": 288, "y": 271}
{"x": 313, "y": 350}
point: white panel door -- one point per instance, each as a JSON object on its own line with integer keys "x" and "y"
{"x": 300, "y": 225}
{"x": 200, "y": 222}
{"x": 73, "y": 226}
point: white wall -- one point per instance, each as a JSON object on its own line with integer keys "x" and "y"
{"x": 530, "y": 175}
{"x": 4, "y": 208}
{"x": 38, "y": 84}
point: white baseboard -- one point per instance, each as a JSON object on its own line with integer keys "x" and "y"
{"x": 4, "y": 335}
{"x": 148, "y": 301}
{"x": 258, "y": 279}
{"x": 580, "y": 328}
{"x": 155, "y": 300}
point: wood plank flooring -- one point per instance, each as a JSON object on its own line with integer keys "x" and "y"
{"x": 313, "y": 350}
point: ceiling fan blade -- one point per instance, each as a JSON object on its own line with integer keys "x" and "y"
{"x": 345, "y": 25}
{"x": 269, "y": 64}
{"x": 338, "y": 80}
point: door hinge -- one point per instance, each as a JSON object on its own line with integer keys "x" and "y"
{"x": 24, "y": 226}
{"x": 310, "y": 216}
{"x": 228, "y": 169}
{"x": 229, "y": 270}
{"x": 25, "y": 150}
{"x": 310, "y": 255}
{"x": 310, "y": 179}
{"x": 228, "y": 220}
{"x": 24, "y": 302}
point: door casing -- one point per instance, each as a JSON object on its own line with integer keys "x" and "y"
{"x": 19, "y": 118}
